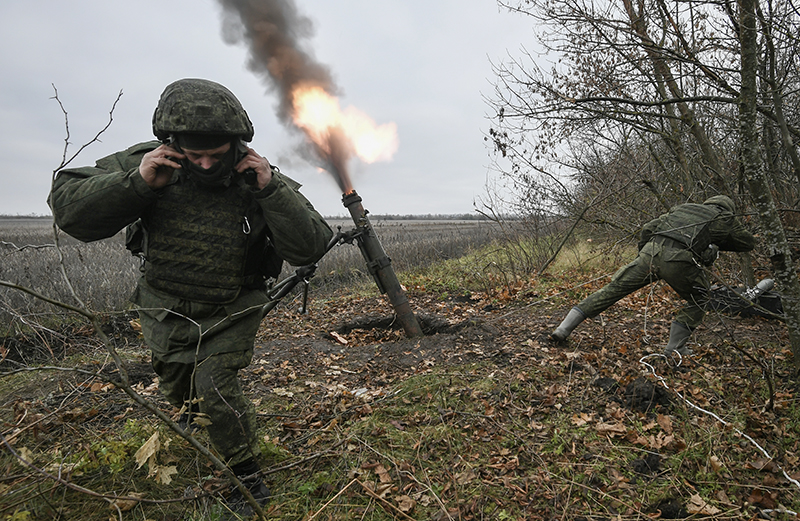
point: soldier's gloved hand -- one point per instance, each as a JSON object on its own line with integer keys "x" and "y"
{"x": 258, "y": 164}
{"x": 710, "y": 255}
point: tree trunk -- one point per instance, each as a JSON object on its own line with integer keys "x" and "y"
{"x": 775, "y": 238}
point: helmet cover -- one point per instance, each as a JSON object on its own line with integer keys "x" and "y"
{"x": 722, "y": 201}
{"x": 198, "y": 106}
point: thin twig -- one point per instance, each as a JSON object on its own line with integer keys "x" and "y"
{"x": 382, "y": 501}
{"x": 304, "y": 460}
{"x": 331, "y": 500}
{"x": 27, "y": 246}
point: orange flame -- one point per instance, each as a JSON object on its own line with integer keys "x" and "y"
{"x": 319, "y": 115}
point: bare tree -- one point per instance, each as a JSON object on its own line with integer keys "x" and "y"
{"x": 642, "y": 100}
{"x": 774, "y": 235}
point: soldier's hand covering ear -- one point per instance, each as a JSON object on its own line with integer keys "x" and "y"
{"x": 158, "y": 165}
{"x": 257, "y": 163}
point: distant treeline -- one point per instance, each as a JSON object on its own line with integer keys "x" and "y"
{"x": 419, "y": 217}
{"x": 29, "y": 216}
{"x": 375, "y": 216}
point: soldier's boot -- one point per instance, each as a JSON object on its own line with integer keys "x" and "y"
{"x": 570, "y": 322}
{"x": 186, "y": 420}
{"x": 678, "y": 335}
{"x": 247, "y": 473}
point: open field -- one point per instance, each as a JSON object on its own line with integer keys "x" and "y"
{"x": 103, "y": 273}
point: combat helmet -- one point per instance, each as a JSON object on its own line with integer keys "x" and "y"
{"x": 197, "y": 106}
{"x": 722, "y": 201}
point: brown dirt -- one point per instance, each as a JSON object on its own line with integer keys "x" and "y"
{"x": 353, "y": 346}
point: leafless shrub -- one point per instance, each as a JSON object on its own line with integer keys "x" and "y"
{"x": 103, "y": 272}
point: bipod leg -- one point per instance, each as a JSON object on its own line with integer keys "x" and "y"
{"x": 304, "y": 309}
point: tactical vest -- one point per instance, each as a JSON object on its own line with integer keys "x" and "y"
{"x": 197, "y": 242}
{"x": 689, "y": 224}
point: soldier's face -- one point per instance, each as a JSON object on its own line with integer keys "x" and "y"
{"x": 206, "y": 158}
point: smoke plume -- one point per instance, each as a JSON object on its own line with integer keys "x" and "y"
{"x": 273, "y": 31}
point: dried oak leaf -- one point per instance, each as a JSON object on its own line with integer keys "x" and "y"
{"x": 405, "y": 503}
{"x": 698, "y": 505}
{"x": 126, "y": 504}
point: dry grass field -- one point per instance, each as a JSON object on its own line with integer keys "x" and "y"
{"x": 103, "y": 273}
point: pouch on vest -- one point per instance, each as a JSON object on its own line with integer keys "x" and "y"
{"x": 271, "y": 263}
{"x": 135, "y": 239}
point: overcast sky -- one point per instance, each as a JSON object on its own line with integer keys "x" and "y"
{"x": 423, "y": 64}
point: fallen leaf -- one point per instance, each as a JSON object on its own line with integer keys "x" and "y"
{"x": 723, "y": 498}
{"x": 282, "y": 391}
{"x": 146, "y": 451}
{"x": 405, "y": 504}
{"x": 658, "y": 441}
{"x": 201, "y": 420}
{"x": 698, "y": 505}
{"x": 26, "y": 455}
{"x": 462, "y": 478}
{"x": 164, "y": 474}
{"x": 581, "y": 419}
{"x": 665, "y": 422}
{"x": 762, "y": 499}
{"x": 611, "y": 429}
{"x": 126, "y": 504}
{"x": 339, "y": 338}
{"x": 383, "y": 474}
{"x": 764, "y": 465}
{"x": 617, "y": 476}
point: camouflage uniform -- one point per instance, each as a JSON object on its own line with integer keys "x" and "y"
{"x": 664, "y": 257}
{"x": 93, "y": 203}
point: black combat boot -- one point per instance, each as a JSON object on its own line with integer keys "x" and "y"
{"x": 248, "y": 473}
{"x": 186, "y": 420}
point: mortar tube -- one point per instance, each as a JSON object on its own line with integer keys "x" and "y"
{"x": 380, "y": 266}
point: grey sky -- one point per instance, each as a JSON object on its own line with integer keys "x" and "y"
{"x": 422, "y": 64}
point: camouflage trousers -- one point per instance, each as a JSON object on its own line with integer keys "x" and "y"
{"x": 656, "y": 261}
{"x": 214, "y": 384}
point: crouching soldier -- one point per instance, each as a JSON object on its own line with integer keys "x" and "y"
{"x": 674, "y": 247}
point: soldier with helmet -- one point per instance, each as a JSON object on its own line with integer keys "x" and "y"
{"x": 674, "y": 247}
{"x": 211, "y": 219}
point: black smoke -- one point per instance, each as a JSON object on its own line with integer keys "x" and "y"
{"x": 273, "y": 31}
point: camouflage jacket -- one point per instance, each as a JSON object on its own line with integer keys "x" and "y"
{"x": 725, "y": 230}
{"x": 93, "y": 203}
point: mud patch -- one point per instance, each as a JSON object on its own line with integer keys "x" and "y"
{"x": 642, "y": 395}
{"x": 650, "y": 464}
{"x": 671, "y": 509}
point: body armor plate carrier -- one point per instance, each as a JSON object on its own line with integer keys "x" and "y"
{"x": 197, "y": 243}
{"x": 689, "y": 224}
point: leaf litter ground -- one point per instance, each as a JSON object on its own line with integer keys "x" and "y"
{"x": 482, "y": 418}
